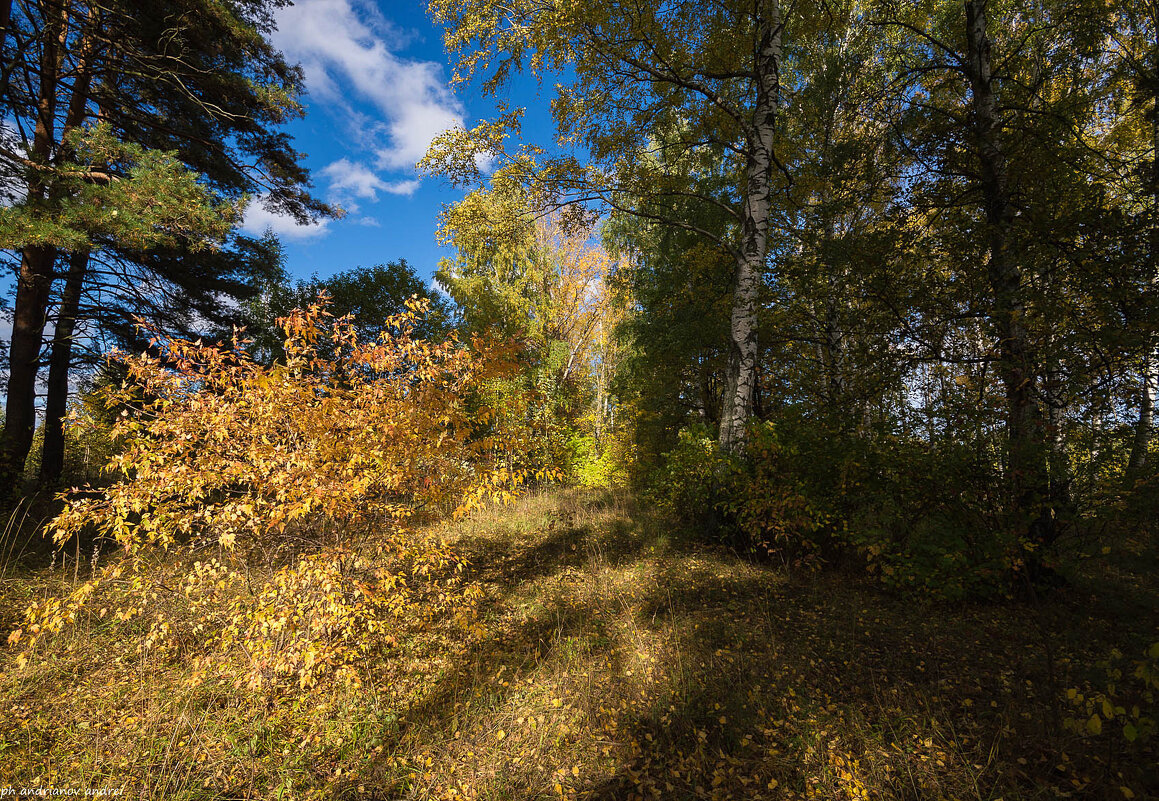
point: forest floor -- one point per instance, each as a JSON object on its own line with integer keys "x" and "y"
{"x": 615, "y": 659}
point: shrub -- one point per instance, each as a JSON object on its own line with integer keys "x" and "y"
{"x": 927, "y": 519}
{"x": 602, "y": 464}
{"x": 755, "y": 502}
{"x": 1126, "y": 700}
{"x": 769, "y": 504}
{"x": 920, "y": 518}
{"x": 264, "y": 512}
{"x": 687, "y": 485}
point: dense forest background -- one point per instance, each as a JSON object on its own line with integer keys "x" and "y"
{"x": 863, "y": 295}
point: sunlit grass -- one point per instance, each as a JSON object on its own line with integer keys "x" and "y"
{"x": 611, "y": 659}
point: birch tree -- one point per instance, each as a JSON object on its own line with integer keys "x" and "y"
{"x": 997, "y": 95}
{"x": 698, "y": 79}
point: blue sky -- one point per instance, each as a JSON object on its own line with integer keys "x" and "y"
{"x": 377, "y": 83}
{"x": 377, "y": 93}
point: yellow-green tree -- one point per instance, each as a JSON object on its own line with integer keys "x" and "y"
{"x": 700, "y": 80}
{"x": 542, "y": 281}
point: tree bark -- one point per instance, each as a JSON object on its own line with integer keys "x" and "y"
{"x": 32, "y": 292}
{"x": 52, "y": 458}
{"x": 1141, "y": 441}
{"x": 5, "y": 23}
{"x": 742, "y": 361}
{"x": 37, "y": 265}
{"x": 1150, "y": 373}
{"x": 1058, "y": 461}
{"x": 1026, "y": 465}
{"x": 60, "y": 360}
{"x": 833, "y": 338}
{"x": 36, "y": 272}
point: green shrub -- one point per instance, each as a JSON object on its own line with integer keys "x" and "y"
{"x": 686, "y": 486}
{"x": 919, "y": 518}
{"x": 753, "y": 503}
{"x": 600, "y": 465}
{"x": 1125, "y": 701}
{"x": 925, "y": 519}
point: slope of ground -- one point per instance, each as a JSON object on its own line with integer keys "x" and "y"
{"x": 613, "y": 660}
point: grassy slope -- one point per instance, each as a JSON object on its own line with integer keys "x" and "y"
{"x": 614, "y": 661}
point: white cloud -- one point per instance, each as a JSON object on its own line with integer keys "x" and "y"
{"x": 344, "y": 49}
{"x": 406, "y": 188}
{"x": 259, "y": 219}
{"x": 485, "y": 163}
{"x": 350, "y": 180}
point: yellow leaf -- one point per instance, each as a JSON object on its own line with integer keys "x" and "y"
{"x": 1095, "y": 725}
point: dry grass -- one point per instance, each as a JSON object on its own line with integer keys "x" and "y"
{"x": 613, "y": 660}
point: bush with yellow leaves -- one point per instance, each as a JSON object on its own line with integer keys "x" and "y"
{"x": 1126, "y": 700}
{"x": 264, "y": 513}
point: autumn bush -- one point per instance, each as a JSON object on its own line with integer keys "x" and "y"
{"x": 263, "y": 515}
{"x": 753, "y": 502}
{"x": 918, "y": 519}
{"x": 1124, "y": 697}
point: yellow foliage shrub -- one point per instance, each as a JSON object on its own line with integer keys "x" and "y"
{"x": 263, "y": 512}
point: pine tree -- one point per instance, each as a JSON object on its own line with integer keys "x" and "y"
{"x": 193, "y": 94}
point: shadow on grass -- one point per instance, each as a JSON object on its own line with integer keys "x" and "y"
{"x": 690, "y": 674}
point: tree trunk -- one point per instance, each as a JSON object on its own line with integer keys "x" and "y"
{"x": 37, "y": 264}
{"x": 1143, "y": 426}
{"x": 32, "y": 292}
{"x": 833, "y": 354}
{"x": 1058, "y": 461}
{"x": 60, "y": 360}
{"x": 742, "y": 360}
{"x": 52, "y": 458}
{"x": 1150, "y": 374}
{"x": 5, "y": 22}
{"x": 1024, "y": 425}
{"x": 35, "y": 280}
{"x": 833, "y": 337}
